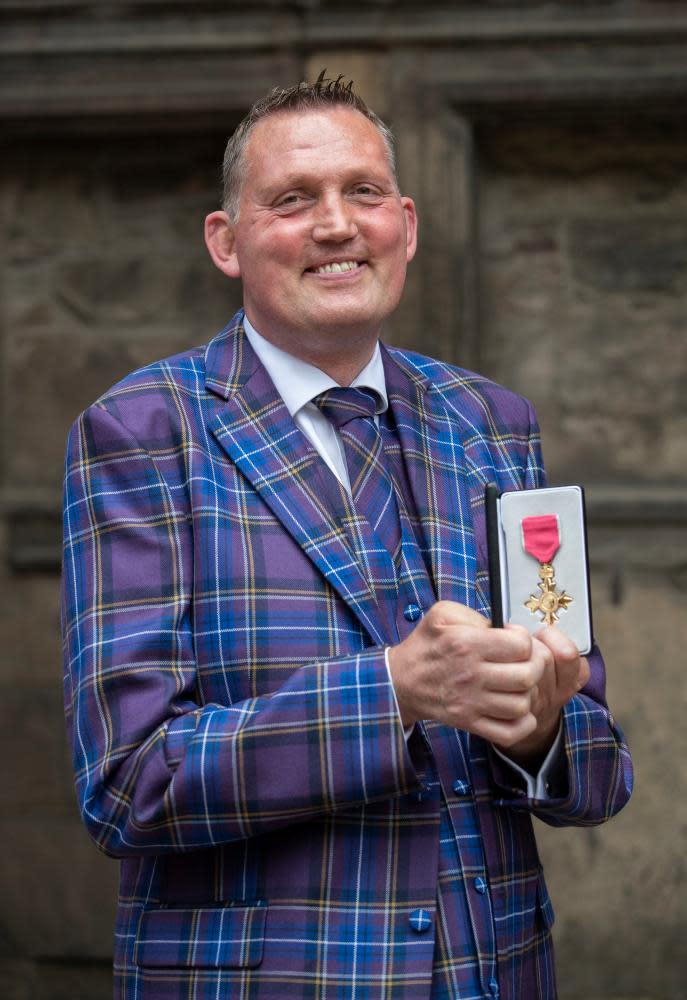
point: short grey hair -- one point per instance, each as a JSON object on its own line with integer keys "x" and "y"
{"x": 324, "y": 93}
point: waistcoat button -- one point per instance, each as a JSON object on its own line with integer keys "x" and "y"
{"x": 412, "y": 612}
{"x": 420, "y": 921}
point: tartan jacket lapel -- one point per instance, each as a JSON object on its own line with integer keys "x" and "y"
{"x": 258, "y": 433}
{"x": 434, "y": 456}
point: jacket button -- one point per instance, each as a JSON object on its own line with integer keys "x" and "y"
{"x": 480, "y": 885}
{"x": 461, "y": 787}
{"x": 412, "y": 612}
{"x": 420, "y": 921}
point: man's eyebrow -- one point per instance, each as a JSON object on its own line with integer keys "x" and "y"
{"x": 284, "y": 184}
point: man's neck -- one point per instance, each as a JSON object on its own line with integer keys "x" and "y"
{"x": 342, "y": 357}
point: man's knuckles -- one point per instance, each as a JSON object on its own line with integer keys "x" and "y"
{"x": 459, "y": 644}
{"x": 562, "y": 648}
{"x": 445, "y": 614}
{"x": 517, "y": 641}
{"x": 514, "y": 707}
{"x": 528, "y": 675}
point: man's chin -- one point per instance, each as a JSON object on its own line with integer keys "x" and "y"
{"x": 347, "y": 317}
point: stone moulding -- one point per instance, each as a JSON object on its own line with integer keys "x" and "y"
{"x": 67, "y": 58}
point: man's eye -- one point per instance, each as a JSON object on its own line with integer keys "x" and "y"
{"x": 366, "y": 191}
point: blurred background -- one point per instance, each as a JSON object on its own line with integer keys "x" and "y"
{"x": 546, "y": 147}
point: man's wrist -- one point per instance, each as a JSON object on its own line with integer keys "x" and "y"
{"x": 407, "y": 726}
{"x": 395, "y": 676}
{"x": 539, "y": 784}
{"x": 530, "y": 752}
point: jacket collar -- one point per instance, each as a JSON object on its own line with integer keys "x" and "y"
{"x": 257, "y": 431}
{"x": 434, "y": 456}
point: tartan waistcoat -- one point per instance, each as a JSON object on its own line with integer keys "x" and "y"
{"x": 464, "y": 961}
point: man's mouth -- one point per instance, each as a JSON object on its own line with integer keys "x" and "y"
{"x": 337, "y": 267}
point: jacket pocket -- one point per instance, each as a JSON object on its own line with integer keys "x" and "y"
{"x": 217, "y": 937}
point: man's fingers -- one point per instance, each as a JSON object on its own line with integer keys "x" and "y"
{"x": 447, "y": 613}
{"x": 505, "y": 734}
{"x": 493, "y": 645}
{"x": 566, "y": 656}
{"x": 584, "y": 674}
{"x": 515, "y": 678}
{"x": 508, "y": 707}
{"x": 564, "y": 649}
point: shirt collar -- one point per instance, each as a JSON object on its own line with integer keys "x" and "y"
{"x": 298, "y": 382}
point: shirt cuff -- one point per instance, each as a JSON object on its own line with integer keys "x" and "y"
{"x": 537, "y": 784}
{"x": 406, "y": 731}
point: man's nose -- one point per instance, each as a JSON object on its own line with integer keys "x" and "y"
{"x": 334, "y": 220}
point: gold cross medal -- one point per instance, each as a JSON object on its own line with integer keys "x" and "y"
{"x": 541, "y": 540}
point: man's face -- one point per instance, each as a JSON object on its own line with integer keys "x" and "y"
{"x": 323, "y": 237}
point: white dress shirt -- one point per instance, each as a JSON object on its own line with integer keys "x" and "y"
{"x": 298, "y": 382}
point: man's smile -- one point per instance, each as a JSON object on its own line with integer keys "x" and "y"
{"x": 337, "y": 267}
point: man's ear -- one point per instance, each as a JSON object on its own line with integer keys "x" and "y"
{"x": 220, "y": 239}
{"x": 411, "y": 227}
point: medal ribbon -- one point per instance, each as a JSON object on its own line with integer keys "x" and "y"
{"x": 540, "y": 536}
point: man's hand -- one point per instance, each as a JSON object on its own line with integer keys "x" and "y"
{"x": 565, "y": 673}
{"x": 501, "y": 684}
{"x": 456, "y": 669}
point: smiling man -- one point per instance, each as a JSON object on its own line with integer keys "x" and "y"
{"x": 320, "y": 236}
{"x": 290, "y": 717}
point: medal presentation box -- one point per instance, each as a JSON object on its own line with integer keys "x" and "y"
{"x": 538, "y": 566}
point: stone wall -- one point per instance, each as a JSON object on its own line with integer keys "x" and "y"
{"x": 104, "y": 270}
{"x": 546, "y": 145}
{"x": 583, "y": 264}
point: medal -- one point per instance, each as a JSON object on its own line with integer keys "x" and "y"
{"x": 541, "y": 539}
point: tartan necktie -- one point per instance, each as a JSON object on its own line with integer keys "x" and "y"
{"x": 352, "y": 411}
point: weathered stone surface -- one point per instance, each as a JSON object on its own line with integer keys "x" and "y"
{"x": 29, "y": 626}
{"x": 32, "y": 739}
{"x": 582, "y": 308}
{"x": 583, "y": 311}
{"x": 621, "y": 890}
{"x": 106, "y": 270}
{"x": 637, "y": 255}
{"x": 58, "y": 891}
{"x": 55, "y": 981}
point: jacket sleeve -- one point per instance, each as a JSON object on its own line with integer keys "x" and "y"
{"x": 593, "y": 777}
{"x": 156, "y": 769}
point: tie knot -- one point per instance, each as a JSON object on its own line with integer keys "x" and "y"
{"x": 345, "y": 403}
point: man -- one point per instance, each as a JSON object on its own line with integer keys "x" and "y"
{"x": 290, "y": 717}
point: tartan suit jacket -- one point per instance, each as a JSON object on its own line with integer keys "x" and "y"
{"x": 234, "y": 732}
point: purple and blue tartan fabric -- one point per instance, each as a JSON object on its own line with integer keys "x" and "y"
{"x": 233, "y": 728}
{"x": 376, "y": 530}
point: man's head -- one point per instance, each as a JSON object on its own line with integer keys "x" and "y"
{"x": 320, "y": 235}
{"x": 324, "y": 94}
